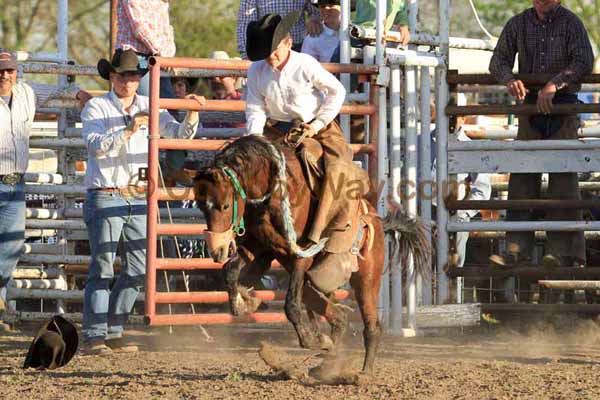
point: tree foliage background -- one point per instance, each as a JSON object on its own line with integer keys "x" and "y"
{"x": 204, "y": 26}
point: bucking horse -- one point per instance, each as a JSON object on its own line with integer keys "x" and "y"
{"x": 258, "y": 209}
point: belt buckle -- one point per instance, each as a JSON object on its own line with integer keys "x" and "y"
{"x": 11, "y": 179}
{"x": 132, "y": 192}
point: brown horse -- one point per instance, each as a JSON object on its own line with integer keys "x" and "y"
{"x": 243, "y": 202}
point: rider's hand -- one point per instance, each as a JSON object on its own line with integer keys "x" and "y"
{"x": 516, "y": 88}
{"x": 297, "y": 134}
{"x": 308, "y": 130}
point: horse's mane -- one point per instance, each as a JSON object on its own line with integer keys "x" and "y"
{"x": 245, "y": 150}
{"x": 245, "y": 155}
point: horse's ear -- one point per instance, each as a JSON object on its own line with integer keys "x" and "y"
{"x": 216, "y": 175}
{"x": 208, "y": 175}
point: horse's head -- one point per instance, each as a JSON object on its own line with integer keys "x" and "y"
{"x": 222, "y": 200}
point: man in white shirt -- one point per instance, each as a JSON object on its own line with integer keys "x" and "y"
{"x": 115, "y": 131}
{"x": 290, "y": 96}
{"x": 324, "y": 46}
{"x": 18, "y": 102}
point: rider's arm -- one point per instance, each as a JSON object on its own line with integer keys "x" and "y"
{"x": 333, "y": 91}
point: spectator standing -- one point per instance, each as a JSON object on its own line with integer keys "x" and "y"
{"x": 324, "y": 46}
{"x": 224, "y": 88}
{"x": 550, "y": 39}
{"x": 18, "y": 103}
{"x": 254, "y": 10}
{"x": 144, "y": 27}
{"x": 116, "y": 135}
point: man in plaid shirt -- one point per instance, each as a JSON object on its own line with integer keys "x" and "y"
{"x": 144, "y": 27}
{"x": 253, "y": 10}
{"x": 550, "y": 40}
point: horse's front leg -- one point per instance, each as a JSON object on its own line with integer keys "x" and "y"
{"x": 231, "y": 275}
{"x": 239, "y": 276}
{"x": 296, "y": 311}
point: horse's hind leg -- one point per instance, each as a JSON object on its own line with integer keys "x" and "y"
{"x": 366, "y": 284}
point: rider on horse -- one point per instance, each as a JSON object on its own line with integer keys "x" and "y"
{"x": 291, "y": 98}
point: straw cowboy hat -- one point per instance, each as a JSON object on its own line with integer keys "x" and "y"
{"x": 122, "y": 61}
{"x": 54, "y": 345}
{"x": 263, "y": 36}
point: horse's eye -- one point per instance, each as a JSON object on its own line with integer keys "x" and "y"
{"x": 225, "y": 207}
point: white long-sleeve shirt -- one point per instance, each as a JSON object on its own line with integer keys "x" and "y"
{"x": 113, "y": 161}
{"x": 302, "y": 90}
{"x": 17, "y": 120}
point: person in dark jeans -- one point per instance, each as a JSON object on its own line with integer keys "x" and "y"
{"x": 550, "y": 39}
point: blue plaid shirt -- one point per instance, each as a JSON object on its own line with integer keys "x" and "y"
{"x": 253, "y": 10}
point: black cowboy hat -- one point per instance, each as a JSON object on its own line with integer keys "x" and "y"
{"x": 263, "y": 36}
{"x": 122, "y": 61}
{"x": 53, "y": 346}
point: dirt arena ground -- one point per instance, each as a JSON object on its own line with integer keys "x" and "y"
{"x": 538, "y": 364}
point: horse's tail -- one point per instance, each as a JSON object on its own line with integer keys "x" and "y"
{"x": 409, "y": 236}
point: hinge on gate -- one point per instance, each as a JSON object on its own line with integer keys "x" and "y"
{"x": 383, "y": 78}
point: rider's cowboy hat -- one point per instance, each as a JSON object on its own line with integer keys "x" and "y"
{"x": 122, "y": 61}
{"x": 325, "y": 2}
{"x": 53, "y": 346}
{"x": 263, "y": 36}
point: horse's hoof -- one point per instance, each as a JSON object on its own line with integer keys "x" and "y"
{"x": 238, "y": 305}
{"x": 325, "y": 342}
{"x": 319, "y": 373}
{"x": 252, "y": 304}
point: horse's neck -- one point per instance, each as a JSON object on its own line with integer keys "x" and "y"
{"x": 256, "y": 181}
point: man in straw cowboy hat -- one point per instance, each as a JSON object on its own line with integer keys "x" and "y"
{"x": 290, "y": 96}
{"x": 115, "y": 131}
